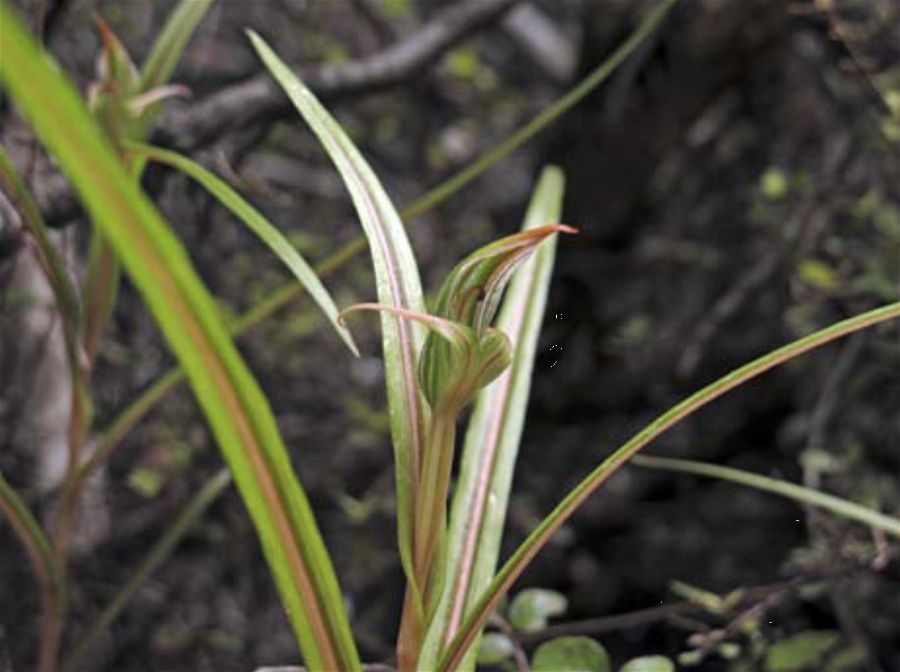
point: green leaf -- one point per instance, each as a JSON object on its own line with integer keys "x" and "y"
{"x": 146, "y": 481}
{"x": 530, "y": 609}
{"x": 514, "y": 567}
{"x": 463, "y": 63}
{"x": 65, "y": 296}
{"x": 32, "y": 536}
{"x": 774, "y": 184}
{"x": 713, "y": 603}
{"x": 258, "y": 224}
{"x": 230, "y": 397}
{"x": 52, "y": 264}
{"x": 802, "y": 651}
{"x": 495, "y": 429}
{"x": 397, "y": 281}
{"x": 43, "y": 560}
{"x": 819, "y": 274}
{"x": 172, "y": 40}
{"x": 494, "y": 648}
{"x": 798, "y": 493}
{"x": 570, "y": 654}
{"x": 649, "y": 664}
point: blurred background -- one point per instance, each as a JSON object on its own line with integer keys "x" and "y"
{"x": 736, "y": 184}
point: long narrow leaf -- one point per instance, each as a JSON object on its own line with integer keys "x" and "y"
{"x": 516, "y": 564}
{"x": 166, "y": 52}
{"x": 49, "y": 259}
{"x": 258, "y": 224}
{"x": 66, "y": 298}
{"x": 30, "y": 534}
{"x": 492, "y": 439}
{"x": 397, "y": 281}
{"x": 232, "y": 401}
{"x": 46, "y": 568}
{"x": 798, "y": 493}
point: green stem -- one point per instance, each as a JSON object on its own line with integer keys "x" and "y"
{"x": 428, "y": 533}
{"x": 434, "y": 482}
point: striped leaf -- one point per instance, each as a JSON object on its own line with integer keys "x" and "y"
{"x": 397, "y": 281}
{"x": 257, "y": 223}
{"x": 229, "y": 396}
{"x": 513, "y": 568}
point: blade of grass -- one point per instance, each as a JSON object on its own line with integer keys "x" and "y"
{"x": 29, "y": 531}
{"x": 49, "y": 259}
{"x": 519, "y": 560}
{"x": 232, "y": 401}
{"x": 67, "y": 303}
{"x": 110, "y": 439}
{"x": 171, "y": 42}
{"x": 283, "y": 295}
{"x": 40, "y": 553}
{"x": 257, "y": 223}
{"x": 397, "y": 282}
{"x": 492, "y": 439}
{"x": 158, "y": 554}
{"x": 100, "y": 288}
{"x": 798, "y": 493}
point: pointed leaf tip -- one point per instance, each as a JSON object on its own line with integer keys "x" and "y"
{"x": 256, "y": 222}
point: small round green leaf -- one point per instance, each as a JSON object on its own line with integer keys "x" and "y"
{"x": 531, "y": 608}
{"x": 494, "y": 648}
{"x": 570, "y": 654}
{"x": 649, "y": 664}
{"x": 774, "y": 184}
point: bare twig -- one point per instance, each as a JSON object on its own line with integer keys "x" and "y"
{"x": 259, "y": 99}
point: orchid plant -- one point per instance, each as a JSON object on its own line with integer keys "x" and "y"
{"x": 476, "y": 346}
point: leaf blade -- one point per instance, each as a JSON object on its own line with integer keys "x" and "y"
{"x": 32, "y": 536}
{"x": 231, "y": 399}
{"x": 397, "y": 282}
{"x": 520, "y": 559}
{"x": 798, "y": 493}
{"x": 258, "y": 224}
{"x": 168, "y": 47}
